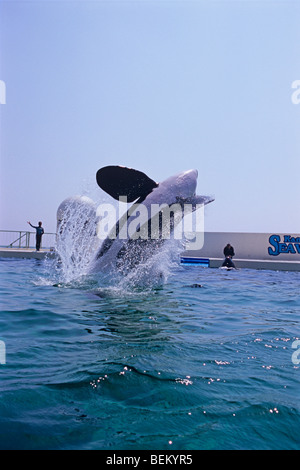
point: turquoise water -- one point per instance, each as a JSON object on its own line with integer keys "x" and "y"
{"x": 93, "y": 365}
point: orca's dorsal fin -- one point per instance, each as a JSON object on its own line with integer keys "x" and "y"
{"x": 121, "y": 181}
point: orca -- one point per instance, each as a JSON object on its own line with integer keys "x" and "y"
{"x": 150, "y": 201}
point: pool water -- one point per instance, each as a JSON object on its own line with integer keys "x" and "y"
{"x": 202, "y": 361}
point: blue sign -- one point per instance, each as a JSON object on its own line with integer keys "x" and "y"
{"x": 288, "y": 245}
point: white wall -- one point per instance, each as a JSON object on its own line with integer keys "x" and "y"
{"x": 250, "y": 246}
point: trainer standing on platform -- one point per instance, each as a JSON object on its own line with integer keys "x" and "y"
{"x": 39, "y": 233}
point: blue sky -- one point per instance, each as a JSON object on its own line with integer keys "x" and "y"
{"x": 160, "y": 86}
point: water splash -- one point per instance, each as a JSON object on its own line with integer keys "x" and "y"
{"x": 77, "y": 241}
{"x": 144, "y": 266}
{"x": 156, "y": 269}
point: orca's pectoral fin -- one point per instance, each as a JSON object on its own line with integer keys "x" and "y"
{"x": 120, "y": 181}
{"x": 204, "y": 199}
{"x": 198, "y": 200}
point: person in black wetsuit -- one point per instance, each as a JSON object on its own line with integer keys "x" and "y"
{"x": 39, "y": 233}
{"x": 228, "y": 253}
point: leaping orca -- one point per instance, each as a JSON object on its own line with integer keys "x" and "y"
{"x": 148, "y": 197}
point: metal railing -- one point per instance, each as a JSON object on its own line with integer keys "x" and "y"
{"x": 25, "y": 239}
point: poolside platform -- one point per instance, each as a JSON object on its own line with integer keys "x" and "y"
{"x": 242, "y": 263}
{"x": 25, "y": 253}
{"x": 275, "y": 251}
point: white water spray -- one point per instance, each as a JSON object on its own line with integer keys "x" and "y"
{"x": 77, "y": 240}
{"x": 143, "y": 267}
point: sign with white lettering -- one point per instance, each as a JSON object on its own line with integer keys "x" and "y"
{"x": 287, "y": 245}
